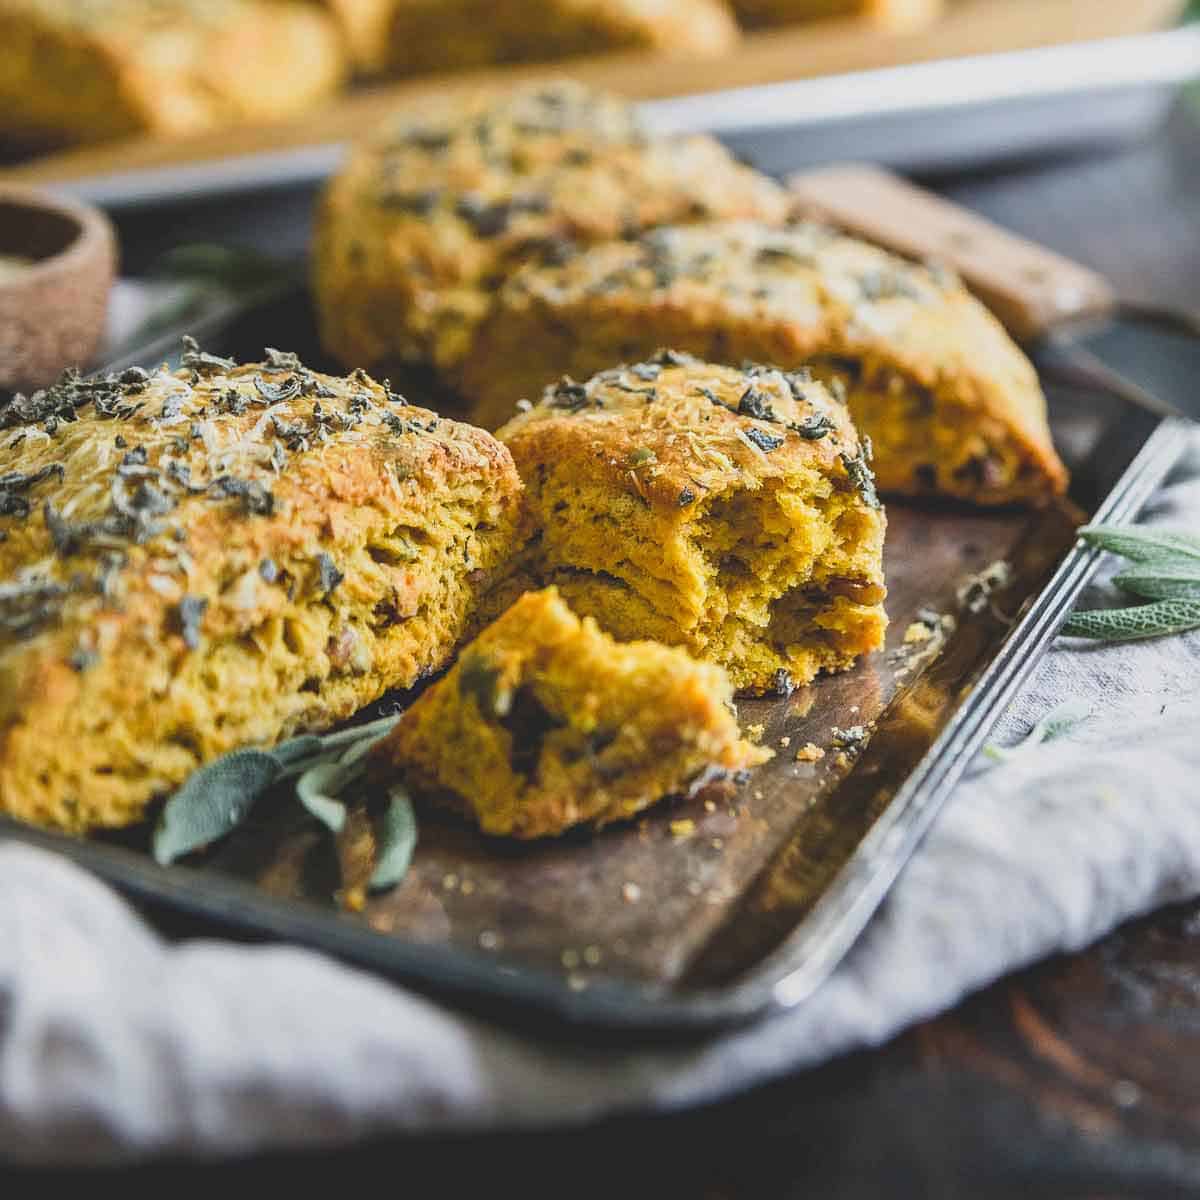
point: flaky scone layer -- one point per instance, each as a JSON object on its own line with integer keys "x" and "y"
{"x": 219, "y": 556}
{"x": 545, "y": 723}
{"x": 952, "y": 405}
{"x": 728, "y": 511}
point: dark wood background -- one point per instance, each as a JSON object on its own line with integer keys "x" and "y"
{"x": 1079, "y": 1078}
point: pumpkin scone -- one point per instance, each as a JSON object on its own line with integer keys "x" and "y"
{"x": 731, "y": 512}
{"x": 417, "y": 232}
{"x": 195, "y": 560}
{"x": 87, "y": 70}
{"x": 440, "y": 35}
{"x": 950, "y": 402}
{"x": 545, "y": 723}
{"x": 901, "y": 14}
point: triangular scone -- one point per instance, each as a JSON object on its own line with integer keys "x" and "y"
{"x": 952, "y": 405}
{"x": 545, "y": 723}
{"x": 86, "y": 70}
{"x": 220, "y": 556}
{"x": 411, "y": 37}
{"x": 731, "y": 512}
{"x": 434, "y": 210}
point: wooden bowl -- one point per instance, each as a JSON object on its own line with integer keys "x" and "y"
{"x": 52, "y": 308}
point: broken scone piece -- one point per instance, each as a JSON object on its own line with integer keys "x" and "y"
{"x": 728, "y": 511}
{"x": 952, "y": 405}
{"x": 545, "y": 723}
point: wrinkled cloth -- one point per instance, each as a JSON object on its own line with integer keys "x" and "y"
{"x": 115, "y": 1044}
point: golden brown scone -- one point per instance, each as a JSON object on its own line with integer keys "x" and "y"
{"x": 950, "y": 402}
{"x": 365, "y": 26}
{"x": 85, "y": 70}
{"x": 197, "y": 560}
{"x": 545, "y": 723}
{"x": 904, "y": 14}
{"x": 430, "y": 214}
{"x": 728, "y": 511}
{"x": 437, "y": 35}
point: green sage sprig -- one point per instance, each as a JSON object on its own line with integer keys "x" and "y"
{"x": 219, "y": 797}
{"x": 1055, "y": 724}
{"x": 1166, "y": 572}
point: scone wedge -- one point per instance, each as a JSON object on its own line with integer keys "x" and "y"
{"x": 728, "y": 511}
{"x": 87, "y": 70}
{"x": 440, "y": 35}
{"x": 546, "y": 723}
{"x": 434, "y": 210}
{"x": 950, "y": 402}
{"x": 219, "y": 556}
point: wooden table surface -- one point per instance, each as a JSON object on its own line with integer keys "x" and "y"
{"x": 1079, "y": 1078}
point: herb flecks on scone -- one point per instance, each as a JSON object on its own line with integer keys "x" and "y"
{"x": 85, "y": 70}
{"x": 729, "y": 511}
{"x": 195, "y": 560}
{"x": 546, "y": 723}
{"x": 952, "y": 405}
{"x": 452, "y": 194}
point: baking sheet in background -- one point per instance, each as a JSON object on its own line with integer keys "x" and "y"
{"x": 655, "y": 925}
{"x": 1067, "y": 73}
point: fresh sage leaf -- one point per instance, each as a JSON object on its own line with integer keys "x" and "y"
{"x": 298, "y": 749}
{"x": 1143, "y": 545}
{"x": 213, "y": 802}
{"x": 1167, "y": 572}
{"x": 397, "y": 841}
{"x": 1163, "y": 583}
{"x": 1055, "y": 724}
{"x": 317, "y": 790}
{"x": 1132, "y": 624}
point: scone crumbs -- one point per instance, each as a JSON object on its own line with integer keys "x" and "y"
{"x": 785, "y": 741}
{"x": 918, "y": 631}
{"x": 683, "y": 829}
{"x": 355, "y": 899}
{"x": 810, "y": 752}
{"x": 631, "y": 893}
{"x": 489, "y": 940}
{"x": 755, "y": 732}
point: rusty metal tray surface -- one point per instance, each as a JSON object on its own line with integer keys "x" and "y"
{"x": 640, "y": 928}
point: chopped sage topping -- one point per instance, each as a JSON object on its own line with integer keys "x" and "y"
{"x": 686, "y": 497}
{"x": 641, "y": 456}
{"x": 756, "y": 404}
{"x": 328, "y": 574}
{"x": 858, "y": 467}
{"x": 196, "y": 359}
{"x": 815, "y": 428}
{"x": 190, "y": 615}
{"x": 765, "y": 441}
{"x": 12, "y": 486}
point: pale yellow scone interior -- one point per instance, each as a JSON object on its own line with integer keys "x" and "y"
{"x": 86, "y": 70}
{"x": 418, "y": 36}
{"x": 546, "y": 723}
{"x": 730, "y": 512}
{"x": 417, "y": 232}
{"x": 951, "y": 403}
{"x": 222, "y": 556}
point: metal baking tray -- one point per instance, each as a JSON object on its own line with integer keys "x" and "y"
{"x": 638, "y": 928}
{"x": 950, "y": 114}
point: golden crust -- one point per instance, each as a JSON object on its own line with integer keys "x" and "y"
{"x": 84, "y": 70}
{"x": 451, "y": 195}
{"x": 730, "y": 512}
{"x": 219, "y": 556}
{"x": 950, "y": 402}
{"x": 424, "y": 35}
{"x": 545, "y": 723}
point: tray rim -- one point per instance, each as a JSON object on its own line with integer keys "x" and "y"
{"x": 976, "y": 83}
{"x": 785, "y": 977}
